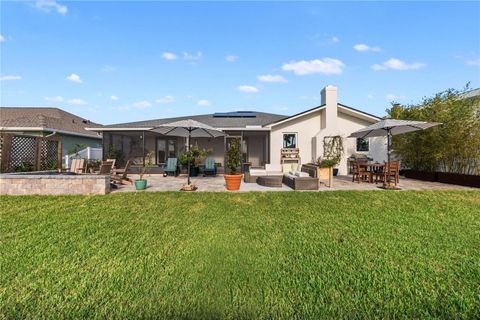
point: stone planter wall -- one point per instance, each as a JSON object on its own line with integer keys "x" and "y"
{"x": 45, "y": 184}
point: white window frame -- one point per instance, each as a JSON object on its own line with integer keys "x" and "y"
{"x": 296, "y": 139}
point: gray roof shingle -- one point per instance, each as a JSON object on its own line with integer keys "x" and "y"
{"x": 47, "y": 118}
{"x": 261, "y": 119}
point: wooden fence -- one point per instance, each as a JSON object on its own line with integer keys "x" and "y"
{"x": 19, "y": 153}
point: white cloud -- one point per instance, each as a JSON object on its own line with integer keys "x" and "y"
{"x": 203, "y": 103}
{"x": 108, "y": 68}
{"x": 248, "y": 89}
{"x": 362, "y": 47}
{"x": 393, "y": 97}
{"x": 169, "y": 56}
{"x": 231, "y": 58}
{"x": 335, "y": 39}
{"x": 77, "y": 102}
{"x": 74, "y": 78}
{"x": 396, "y": 64}
{"x": 10, "y": 77}
{"x": 2, "y": 38}
{"x": 54, "y": 99}
{"x": 370, "y": 96}
{"x": 114, "y": 98}
{"x": 325, "y": 66}
{"x": 192, "y": 57}
{"x": 166, "y": 99}
{"x": 271, "y": 78}
{"x": 473, "y": 62}
{"x": 141, "y": 104}
{"x": 49, "y": 5}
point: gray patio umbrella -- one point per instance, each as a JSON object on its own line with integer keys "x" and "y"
{"x": 188, "y": 128}
{"x": 389, "y": 128}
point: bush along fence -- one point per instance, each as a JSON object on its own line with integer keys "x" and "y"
{"x": 20, "y": 153}
{"x": 449, "y": 153}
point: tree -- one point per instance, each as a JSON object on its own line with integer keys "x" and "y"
{"x": 453, "y": 146}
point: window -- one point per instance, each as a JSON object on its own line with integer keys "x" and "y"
{"x": 362, "y": 144}
{"x": 289, "y": 140}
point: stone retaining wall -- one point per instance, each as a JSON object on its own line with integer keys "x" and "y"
{"x": 23, "y": 184}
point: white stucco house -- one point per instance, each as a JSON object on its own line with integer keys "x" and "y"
{"x": 263, "y": 136}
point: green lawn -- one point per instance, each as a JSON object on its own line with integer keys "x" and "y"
{"x": 251, "y": 255}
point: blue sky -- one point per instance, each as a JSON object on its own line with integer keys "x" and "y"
{"x": 124, "y": 61}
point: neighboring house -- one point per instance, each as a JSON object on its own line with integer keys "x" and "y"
{"x": 262, "y": 135}
{"x": 42, "y": 121}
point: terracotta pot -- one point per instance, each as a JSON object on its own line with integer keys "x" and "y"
{"x": 233, "y": 181}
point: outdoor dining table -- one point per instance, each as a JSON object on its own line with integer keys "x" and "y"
{"x": 374, "y": 167}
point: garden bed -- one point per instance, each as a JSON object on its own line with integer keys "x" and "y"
{"x": 444, "y": 177}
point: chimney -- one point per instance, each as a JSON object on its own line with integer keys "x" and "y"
{"x": 329, "y": 99}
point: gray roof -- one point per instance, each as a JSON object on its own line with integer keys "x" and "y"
{"x": 471, "y": 94}
{"x": 45, "y": 118}
{"x": 261, "y": 119}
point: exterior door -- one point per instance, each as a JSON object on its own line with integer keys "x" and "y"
{"x": 166, "y": 148}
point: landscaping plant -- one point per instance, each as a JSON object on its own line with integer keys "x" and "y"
{"x": 452, "y": 147}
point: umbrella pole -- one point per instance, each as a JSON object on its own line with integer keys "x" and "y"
{"x": 389, "y": 135}
{"x": 188, "y": 152}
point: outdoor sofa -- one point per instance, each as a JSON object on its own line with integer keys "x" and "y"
{"x": 270, "y": 170}
{"x": 301, "y": 178}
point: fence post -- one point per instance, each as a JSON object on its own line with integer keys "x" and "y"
{"x": 6, "y": 148}
{"x": 38, "y": 154}
{"x": 88, "y": 153}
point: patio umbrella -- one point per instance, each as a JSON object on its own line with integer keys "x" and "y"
{"x": 389, "y": 128}
{"x": 188, "y": 128}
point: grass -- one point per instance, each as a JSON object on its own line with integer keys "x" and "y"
{"x": 251, "y": 255}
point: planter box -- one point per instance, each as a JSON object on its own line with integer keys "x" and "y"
{"x": 459, "y": 179}
{"x": 421, "y": 175}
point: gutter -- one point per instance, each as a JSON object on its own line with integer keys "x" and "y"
{"x": 54, "y": 131}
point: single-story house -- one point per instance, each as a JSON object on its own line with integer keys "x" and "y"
{"x": 265, "y": 137}
{"x": 43, "y": 121}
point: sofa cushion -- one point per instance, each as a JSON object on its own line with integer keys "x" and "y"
{"x": 274, "y": 174}
{"x": 295, "y": 167}
{"x": 258, "y": 172}
{"x": 301, "y": 174}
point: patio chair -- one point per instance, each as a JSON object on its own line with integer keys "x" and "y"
{"x": 105, "y": 168}
{"x": 210, "y": 167}
{"x": 113, "y": 162}
{"x": 394, "y": 172}
{"x": 76, "y": 166}
{"x": 121, "y": 175}
{"x": 171, "y": 167}
{"x": 360, "y": 172}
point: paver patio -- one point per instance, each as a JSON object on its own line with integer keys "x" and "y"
{"x": 157, "y": 182}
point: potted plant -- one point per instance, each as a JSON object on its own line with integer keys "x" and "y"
{"x": 325, "y": 168}
{"x": 233, "y": 179}
{"x": 191, "y": 156}
{"x": 333, "y": 150}
{"x": 141, "y": 184}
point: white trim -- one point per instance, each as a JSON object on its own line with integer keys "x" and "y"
{"x": 298, "y": 115}
{"x": 119, "y": 129}
{"x": 358, "y": 114}
{"x": 71, "y": 133}
{"x": 244, "y": 129}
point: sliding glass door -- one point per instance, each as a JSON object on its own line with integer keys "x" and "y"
{"x": 166, "y": 148}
